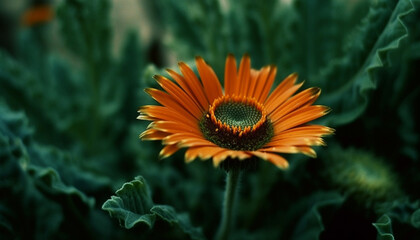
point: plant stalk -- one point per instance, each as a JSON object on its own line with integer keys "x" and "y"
{"x": 232, "y": 182}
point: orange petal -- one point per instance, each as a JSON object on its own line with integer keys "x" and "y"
{"x": 268, "y": 83}
{"x": 291, "y": 149}
{"x": 301, "y": 99}
{"x": 195, "y": 142}
{"x": 243, "y": 79}
{"x": 168, "y": 150}
{"x": 279, "y": 99}
{"x": 260, "y": 81}
{"x": 154, "y": 113}
{"x": 153, "y": 134}
{"x": 280, "y": 149}
{"x": 298, "y": 141}
{"x": 175, "y": 127}
{"x": 167, "y": 101}
{"x": 298, "y": 117}
{"x": 252, "y": 82}
{"x": 305, "y": 131}
{"x": 211, "y": 83}
{"x": 187, "y": 87}
{"x": 230, "y": 74}
{"x": 195, "y": 84}
{"x": 308, "y": 151}
{"x": 277, "y": 160}
{"x": 221, "y": 156}
{"x": 202, "y": 152}
{"x": 285, "y": 85}
{"x": 178, "y": 138}
{"x": 181, "y": 97}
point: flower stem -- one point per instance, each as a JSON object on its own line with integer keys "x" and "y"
{"x": 232, "y": 182}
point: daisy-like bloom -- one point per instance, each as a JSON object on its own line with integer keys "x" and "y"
{"x": 239, "y": 122}
{"x": 37, "y": 15}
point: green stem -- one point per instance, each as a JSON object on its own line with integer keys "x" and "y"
{"x": 232, "y": 180}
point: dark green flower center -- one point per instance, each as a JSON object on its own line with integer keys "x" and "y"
{"x": 237, "y": 114}
{"x": 237, "y": 123}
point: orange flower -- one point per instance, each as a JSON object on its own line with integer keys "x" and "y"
{"x": 37, "y": 15}
{"x": 242, "y": 121}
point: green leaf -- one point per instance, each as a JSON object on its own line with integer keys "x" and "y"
{"x": 404, "y": 214}
{"x": 22, "y": 87}
{"x": 168, "y": 214}
{"x": 22, "y": 206}
{"x": 347, "y": 81}
{"x": 13, "y": 79}
{"x": 49, "y": 182}
{"x": 312, "y": 223}
{"x": 42, "y": 164}
{"x": 191, "y": 25}
{"x": 415, "y": 219}
{"x": 400, "y": 209}
{"x": 41, "y": 203}
{"x": 384, "y": 227}
{"x": 317, "y": 30}
{"x": 86, "y": 29}
{"x": 71, "y": 172}
{"x": 133, "y": 205}
{"x": 130, "y": 69}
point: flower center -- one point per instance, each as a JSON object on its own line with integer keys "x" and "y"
{"x": 237, "y": 123}
{"x": 237, "y": 114}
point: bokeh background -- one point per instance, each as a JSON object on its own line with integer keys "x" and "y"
{"x": 72, "y": 75}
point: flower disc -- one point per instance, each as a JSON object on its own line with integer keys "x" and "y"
{"x": 237, "y": 123}
{"x": 237, "y": 114}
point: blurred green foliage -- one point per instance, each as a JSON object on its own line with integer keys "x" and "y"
{"x": 69, "y": 146}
